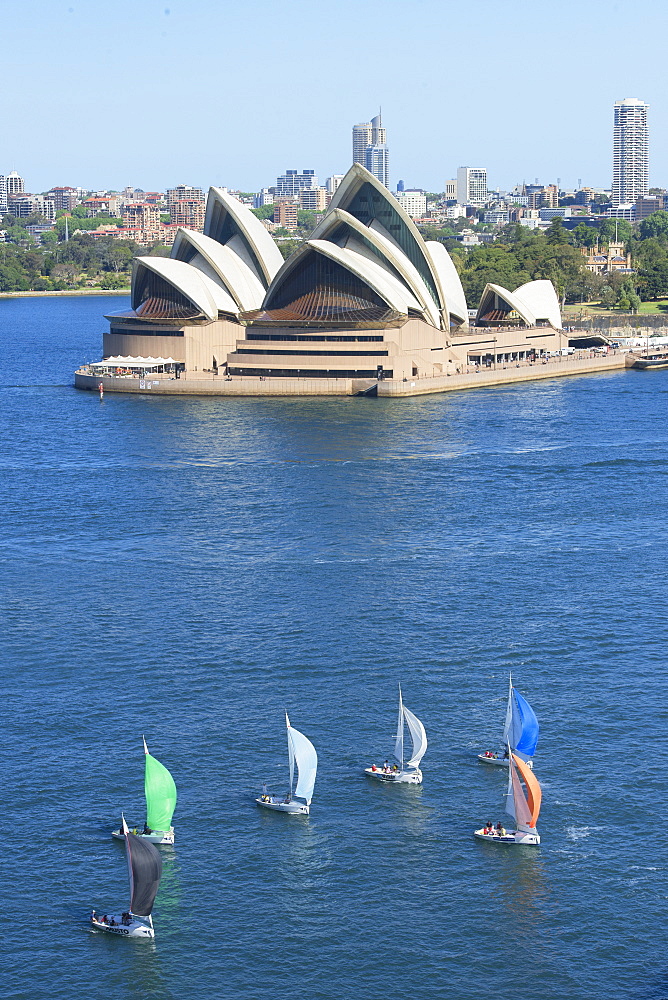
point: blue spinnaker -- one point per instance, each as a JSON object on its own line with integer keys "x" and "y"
{"x": 524, "y": 729}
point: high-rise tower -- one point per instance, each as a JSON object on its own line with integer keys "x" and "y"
{"x": 630, "y": 177}
{"x": 361, "y": 139}
{"x": 371, "y": 150}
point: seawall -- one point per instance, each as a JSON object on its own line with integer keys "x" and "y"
{"x": 199, "y": 384}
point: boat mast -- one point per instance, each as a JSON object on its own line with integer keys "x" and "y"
{"x": 399, "y": 741}
{"x": 291, "y": 754}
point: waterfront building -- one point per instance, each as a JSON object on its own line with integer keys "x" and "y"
{"x": 471, "y": 185}
{"x": 365, "y": 297}
{"x": 291, "y": 183}
{"x": 630, "y": 176}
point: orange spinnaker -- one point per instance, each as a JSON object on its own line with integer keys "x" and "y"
{"x": 534, "y": 793}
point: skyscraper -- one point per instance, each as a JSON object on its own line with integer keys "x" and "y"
{"x": 630, "y": 169}
{"x": 371, "y": 150}
{"x": 361, "y": 139}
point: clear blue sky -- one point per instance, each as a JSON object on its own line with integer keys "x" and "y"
{"x": 233, "y": 93}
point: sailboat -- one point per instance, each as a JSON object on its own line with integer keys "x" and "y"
{"x": 524, "y": 809}
{"x": 520, "y": 732}
{"x": 160, "y": 793}
{"x": 405, "y": 772}
{"x": 302, "y": 755}
{"x": 144, "y": 869}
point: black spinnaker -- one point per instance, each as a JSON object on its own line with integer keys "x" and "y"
{"x": 145, "y": 867}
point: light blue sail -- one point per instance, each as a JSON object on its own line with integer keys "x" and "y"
{"x": 521, "y": 729}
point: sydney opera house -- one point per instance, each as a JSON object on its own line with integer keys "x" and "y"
{"x": 365, "y": 298}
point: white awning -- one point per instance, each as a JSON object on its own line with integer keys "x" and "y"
{"x": 120, "y": 362}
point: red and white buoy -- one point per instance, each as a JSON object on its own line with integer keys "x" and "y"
{"x": 101, "y": 388}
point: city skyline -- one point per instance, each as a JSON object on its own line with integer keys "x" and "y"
{"x": 255, "y": 120}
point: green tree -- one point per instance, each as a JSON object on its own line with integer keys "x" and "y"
{"x": 654, "y": 226}
{"x": 556, "y": 234}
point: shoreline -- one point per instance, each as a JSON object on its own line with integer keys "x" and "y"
{"x": 73, "y": 291}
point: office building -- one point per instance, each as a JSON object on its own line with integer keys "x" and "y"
{"x": 414, "y": 203}
{"x": 292, "y": 182}
{"x": 630, "y": 170}
{"x": 378, "y": 163}
{"x": 3, "y": 195}
{"x": 471, "y": 185}
{"x": 371, "y": 150}
{"x": 361, "y": 139}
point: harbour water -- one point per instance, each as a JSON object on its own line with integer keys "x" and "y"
{"x": 189, "y": 568}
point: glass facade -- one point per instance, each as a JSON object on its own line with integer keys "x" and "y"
{"x": 155, "y": 298}
{"x": 320, "y": 290}
{"x": 368, "y": 204}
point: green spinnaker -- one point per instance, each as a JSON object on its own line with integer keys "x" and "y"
{"x": 160, "y": 792}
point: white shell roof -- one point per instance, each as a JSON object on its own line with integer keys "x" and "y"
{"x": 389, "y": 288}
{"x": 541, "y": 298}
{"x": 269, "y": 257}
{"x": 208, "y": 296}
{"x": 390, "y": 249}
{"x": 353, "y": 180}
{"x": 455, "y": 299}
{"x": 228, "y": 267}
{"x": 510, "y": 298}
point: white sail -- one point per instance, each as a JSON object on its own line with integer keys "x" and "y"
{"x": 419, "y": 737}
{"x": 399, "y": 739}
{"x": 303, "y": 753}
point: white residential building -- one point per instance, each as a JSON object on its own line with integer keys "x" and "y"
{"x": 471, "y": 185}
{"x": 414, "y": 203}
{"x": 630, "y": 169}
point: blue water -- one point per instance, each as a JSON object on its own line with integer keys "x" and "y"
{"x": 189, "y": 568}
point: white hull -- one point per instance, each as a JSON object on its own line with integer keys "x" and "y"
{"x": 280, "y": 805}
{"x": 499, "y": 761}
{"x": 395, "y": 777}
{"x": 113, "y": 924}
{"x": 155, "y": 837}
{"x": 511, "y": 837}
